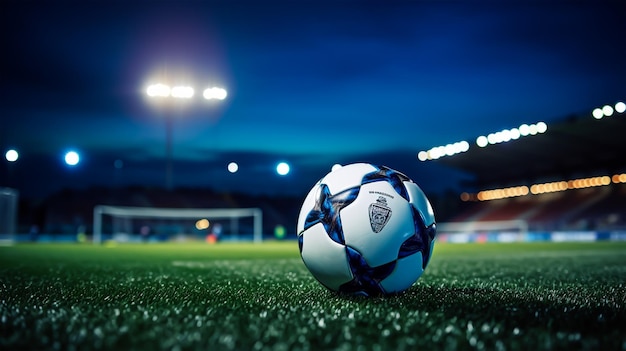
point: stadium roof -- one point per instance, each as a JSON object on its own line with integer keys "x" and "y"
{"x": 575, "y": 145}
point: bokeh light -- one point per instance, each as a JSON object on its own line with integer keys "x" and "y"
{"x": 482, "y": 141}
{"x": 597, "y": 113}
{"x": 542, "y": 127}
{"x": 233, "y": 167}
{"x": 282, "y": 168}
{"x": 158, "y": 90}
{"x": 11, "y": 155}
{"x": 182, "y": 92}
{"x": 202, "y": 224}
{"x": 607, "y": 110}
{"x": 524, "y": 130}
{"x": 72, "y": 158}
{"x": 215, "y": 93}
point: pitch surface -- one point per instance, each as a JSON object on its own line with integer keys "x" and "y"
{"x": 245, "y": 296}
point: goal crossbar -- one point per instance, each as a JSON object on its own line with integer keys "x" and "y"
{"x": 152, "y": 212}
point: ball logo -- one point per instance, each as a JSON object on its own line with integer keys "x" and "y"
{"x": 379, "y": 214}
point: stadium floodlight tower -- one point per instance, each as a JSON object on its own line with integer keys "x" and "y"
{"x": 179, "y": 93}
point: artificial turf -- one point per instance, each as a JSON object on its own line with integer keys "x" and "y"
{"x": 260, "y": 296}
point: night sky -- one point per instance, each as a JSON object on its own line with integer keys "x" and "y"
{"x": 311, "y": 83}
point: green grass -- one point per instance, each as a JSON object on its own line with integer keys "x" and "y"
{"x": 252, "y": 297}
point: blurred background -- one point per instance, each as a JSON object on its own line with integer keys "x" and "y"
{"x": 510, "y": 116}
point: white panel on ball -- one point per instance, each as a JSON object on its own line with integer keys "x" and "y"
{"x": 347, "y": 177}
{"x": 325, "y": 258}
{"x": 308, "y": 204}
{"x": 382, "y": 247}
{"x": 407, "y": 271}
{"x": 420, "y": 201}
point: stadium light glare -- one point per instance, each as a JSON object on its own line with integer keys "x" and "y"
{"x": 442, "y": 151}
{"x": 72, "y": 158}
{"x": 597, "y": 113}
{"x": 620, "y": 107}
{"x": 449, "y": 150}
{"x": 233, "y": 167}
{"x": 505, "y": 135}
{"x": 282, "y": 168}
{"x": 214, "y": 93}
{"x": 541, "y": 127}
{"x": 524, "y": 130}
{"x": 434, "y": 153}
{"x": 514, "y": 133}
{"x": 607, "y": 110}
{"x": 482, "y": 141}
{"x": 182, "y": 92}
{"x": 202, "y": 224}
{"x": 422, "y": 156}
{"x": 11, "y": 155}
{"x": 158, "y": 90}
{"x": 464, "y": 146}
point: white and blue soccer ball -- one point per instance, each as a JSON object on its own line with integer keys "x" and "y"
{"x": 366, "y": 230}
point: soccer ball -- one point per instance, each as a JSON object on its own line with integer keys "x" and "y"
{"x": 366, "y": 230}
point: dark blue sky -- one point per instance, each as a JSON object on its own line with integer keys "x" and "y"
{"x": 312, "y": 83}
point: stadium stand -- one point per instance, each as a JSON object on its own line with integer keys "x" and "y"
{"x": 576, "y": 147}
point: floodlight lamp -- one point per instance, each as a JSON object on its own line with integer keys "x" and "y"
{"x": 215, "y": 93}
{"x": 158, "y": 90}
{"x": 620, "y": 107}
{"x": 182, "y": 92}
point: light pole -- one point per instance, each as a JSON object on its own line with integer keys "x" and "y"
{"x": 164, "y": 91}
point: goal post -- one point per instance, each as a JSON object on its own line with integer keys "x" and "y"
{"x": 8, "y": 215}
{"x": 126, "y": 215}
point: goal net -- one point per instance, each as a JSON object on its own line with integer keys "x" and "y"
{"x": 149, "y": 223}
